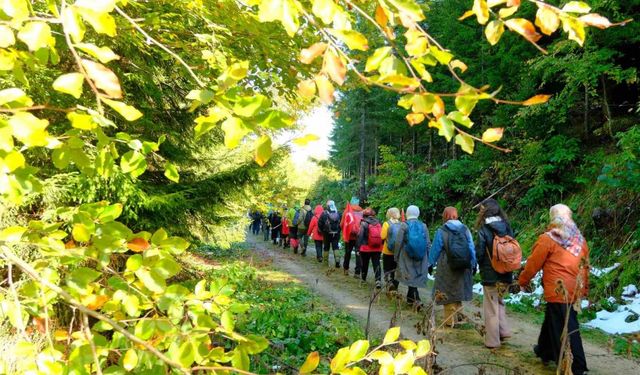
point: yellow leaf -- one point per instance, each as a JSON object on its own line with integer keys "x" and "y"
{"x": 6, "y": 37}
{"x": 492, "y": 3}
{"x": 339, "y": 360}
{"x": 70, "y": 83}
{"x": 458, "y": 64}
{"x": 35, "y": 35}
{"x": 414, "y": 118}
{"x": 29, "y": 129}
{"x": 465, "y": 142}
{"x": 81, "y": 121}
{"x": 537, "y": 99}
{"x": 438, "y": 107}
{"x": 72, "y": 24}
{"x": 492, "y": 135}
{"x": 103, "y": 78}
{"x": 408, "y": 344}
{"x": 303, "y": 141}
{"x": 130, "y": 113}
{"x": 494, "y": 31}
{"x": 576, "y": 7}
{"x": 358, "y": 350}
{"x": 263, "y": 150}
{"x": 307, "y": 88}
{"x": 409, "y": 10}
{"x": 311, "y": 363}
{"x": 374, "y": 61}
{"x": 466, "y": 15}
{"x": 103, "y": 54}
{"x": 130, "y": 360}
{"x": 381, "y": 16}
{"x": 383, "y": 358}
{"x": 353, "y": 39}
{"x": 403, "y": 362}
{"x": 481, "y": 10}
{"x": 423, "y": 103}
{"x": 596, "y": 20}
{"x": 575, "y": 28}
{"x": 334, "y": 67}
{"x": 417, "y": 46}
{"x": 100, "y": 6}
{"x": 325, "y": 89}
{"x": 60, "y": 335}
{"x": 507, "y": 12}
{"x": 234, "y": 130}
{"x": 102, "y": 23}
{"x": 547, "y": 20}
{"x": 523, "y": 27}
{"x": 424, "y": 347}
{"x": 445, "y": 127}
{"x": 417, "y": 370}
{"x": 16, "y": 95}
{"x": 18, "y": 10}
{"x": 307, "y": 55}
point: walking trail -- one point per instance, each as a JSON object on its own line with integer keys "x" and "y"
{"x": 459, "y": 350}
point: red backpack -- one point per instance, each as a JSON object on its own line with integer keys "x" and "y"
{"x": 374, "y": 239}
{"x": 354, "y": 226}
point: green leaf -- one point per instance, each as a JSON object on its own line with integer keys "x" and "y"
{"x": 171, "y": 172}
{"x": 353, "y": 39}
{"x": 374, "y": 61}
{"x": 446, "y": 128}
{"x": 167, "y": 268}
{"x": 249, "y": 106}
{"x": 36, "y": 35}
{"x": 240, "y": 359}
{"x": 227, "y": 321}
{"x": 110, "y": 213}
{"x": 12, "y": 161}
{"x": 202, "y": 96}
{"x": 81, "y": 233}
{"x": 263, "y": 150}
{"x": 128, "y": 112}
{"x": 460, "y": 118}
{"x": 133, "y": 162}
{"x": 159, "y": 235}
{"x": 311, "y": 363}
{"x": 151, "y": 280}
{"x": 102, "y": 23}
{"x": 186, "y": 354}
{"x": 391, "y": 335}
{"x": 423, "y": 103}
{"x": 103, "y": 54}
{"x": 358, "y": 350}
{"x": 80, "y": 278}
{"x": 466, "y": 103}
{"x": 130, "y": 360}
{"x": 442, "y": 56}
{"x": 234, "y": 130}
{"x": 70, "y": 83}
{"x": 134, "y": 262}
{"x": 466, "y": 143}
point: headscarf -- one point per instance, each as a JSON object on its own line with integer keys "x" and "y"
{"x": 563, "y": 230}
{"x": 355, "y": 201}
{"x": 368, "y": 212}
{"x": 331, "y": 205}
{"x": 450, "y": 213}
{"x": 413, "y": 212}
{"x": 393, "y": 214}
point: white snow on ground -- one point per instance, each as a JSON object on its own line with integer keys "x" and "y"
{"x": 615, "y": 322}
{"x": 603, "y": 271}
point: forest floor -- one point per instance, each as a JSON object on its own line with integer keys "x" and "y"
{"x": 460, "y": 350}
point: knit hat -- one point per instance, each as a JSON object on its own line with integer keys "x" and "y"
{"x": 413, "y": 212}
{"x": 355, "y": 201}
{"x": 332, "y": 206}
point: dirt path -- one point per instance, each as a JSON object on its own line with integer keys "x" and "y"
{"x": 455, "y": 346}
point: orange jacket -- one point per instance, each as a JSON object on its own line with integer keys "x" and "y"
{"x": 556, "y": 264}
{"x": 313, "y": 225}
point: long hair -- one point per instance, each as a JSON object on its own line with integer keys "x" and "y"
{"x": 488, "y": 208}
{"x": 393, "y": 213}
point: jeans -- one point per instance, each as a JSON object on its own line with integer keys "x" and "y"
{"x": 413, "y": 295}
{"x": 374, "y": 256}
{"x": 318, "y": 249}
{"x": 331, "y": 241}
{"x": 255, "y": 227}
{"x": 304, "y": 242}
{"x": 389, "y": 267}
{"x": 349, "y": 247}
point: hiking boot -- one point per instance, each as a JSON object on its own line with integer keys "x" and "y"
{"x": 378, "y": 285}
{"x": 319, "y": 259}
{"x": 303, "y": 253}
{"x": 346, "y": 272}
{"x": 295, "y": 250}
{"x": 337, "y": 264}
{"x": 356, "y": 275}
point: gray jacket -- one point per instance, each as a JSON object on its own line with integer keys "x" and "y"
{"x": 411, "y": 272}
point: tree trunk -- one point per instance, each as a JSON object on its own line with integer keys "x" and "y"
{"x": 363, "y": 187}
{"x": 430, "y": 148}
{"x": 586, "y": 111}
{"x": 414, "y": 148}
{"x": 605, "y": 106}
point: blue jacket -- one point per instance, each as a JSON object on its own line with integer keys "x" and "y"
{"x": 438, "y": 244}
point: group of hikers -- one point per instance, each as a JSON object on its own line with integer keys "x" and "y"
{"x": 408, "y": 257}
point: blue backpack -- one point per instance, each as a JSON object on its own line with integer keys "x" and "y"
{"x": 416, "y": 240}
{"x": 392, "y": 233}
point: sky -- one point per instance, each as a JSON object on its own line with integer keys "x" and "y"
{"x": 318, "y": 122}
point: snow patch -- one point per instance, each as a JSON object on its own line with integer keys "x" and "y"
{"x": 597, "y": 272}
{"x": 626, "y": 318}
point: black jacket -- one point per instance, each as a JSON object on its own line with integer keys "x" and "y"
{"x": 484, "y": 252}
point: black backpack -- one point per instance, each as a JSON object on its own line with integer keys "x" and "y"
{"x": 456, "y": 246}
{"x": 307, "y": 218}
{"x": 332, "y": 223}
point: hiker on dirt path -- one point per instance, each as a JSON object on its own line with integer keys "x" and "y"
{"x": 329, "y": 224}
{"x": 266, "y": 229}
{"x": 350, "y": 229}
{"x": 563, "y": 256}
{"x": 412, "y": 254}
{"x": 456, "y": 264}
{"x": 293, "y": 219}
{"x": 284, "y": 234}
{"x": 275, "y": 222}
{"x": 314, "y": 232}
{"x": 492, "y": 221}
{"x": 370, "y": 244}
{"x": 256, "y": 218}
{"x": 389, "y": 234}
{"x": 306, "y": 214}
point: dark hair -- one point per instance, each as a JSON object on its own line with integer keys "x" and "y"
{"x": 307, "y": 201}
{"x": 368, "y": 212}
{"x": 488, "y": 208}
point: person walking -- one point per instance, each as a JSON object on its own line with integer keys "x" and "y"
{"x": 275, "y": 222}
{"x": 389, "y": 233}
{"x": 412, "y": 255}
{"x": 314, "y": 232}
{"x": 351, "y": 229}
{"x": 563, "y": 256}
{"x": 306, "y": 214}
{"x": 492, "y": 221}
{"x": 284, "y": 234}
{"x": 454, "y": 279}
{"x": 293, "y": 219}
{"x": 329, "y": 225}
{"x": 256, "y": 218}
{"x": 370, "y": 245}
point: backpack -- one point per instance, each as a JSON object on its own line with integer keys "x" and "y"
{"x": 296, "y": 218}
{"x": 307, "y": 218}
{"x": 332, "y": 223}
{"x": 507, "y": 254}
{"x": 416, "y": 243}
{"x": 392, "y": 233}
{"x": 354, "y": 226}
{"x": 374, "y": 238}
{"x": 456, "y": 246}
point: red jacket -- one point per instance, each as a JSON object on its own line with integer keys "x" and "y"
{"x": 285, "y": 226}
{"x": 556, "y": 264}
{"x": 313, "y": 226}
